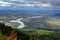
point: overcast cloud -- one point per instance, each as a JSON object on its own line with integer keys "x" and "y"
{"x": 29, "y": 4}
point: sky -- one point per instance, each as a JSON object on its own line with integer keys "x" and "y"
{"x": 29, "y": 4}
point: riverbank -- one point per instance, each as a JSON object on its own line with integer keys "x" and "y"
{"x": 21, "y": 24}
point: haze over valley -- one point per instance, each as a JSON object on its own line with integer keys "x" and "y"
{"x": 32, "y": 19}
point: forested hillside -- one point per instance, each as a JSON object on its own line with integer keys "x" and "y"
{"x": 7, "y": 33}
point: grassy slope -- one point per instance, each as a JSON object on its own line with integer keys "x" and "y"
{"x": 12, "y": 24}
{"x": 45, "y": 32}
{"x": 40, "y": 32}
{"x": 2, "y": 36}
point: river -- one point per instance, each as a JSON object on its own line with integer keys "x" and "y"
{"x": 20, "y": 22}
{"x": 1, "y": 21}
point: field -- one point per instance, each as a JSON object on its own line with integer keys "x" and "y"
{"x": 54, "y": 22}
{"x": 45, "y": 32}
{"x": 39, "y": 32}
{"x": 8, "y": 17}
{"x": 0, "y": 33}
{"x": 12, "y": 24}
{"x": 3, "y": 37}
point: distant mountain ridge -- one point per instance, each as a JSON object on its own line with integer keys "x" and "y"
{"x": 29, "y": 12}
